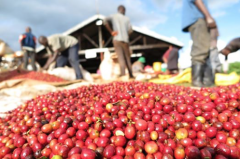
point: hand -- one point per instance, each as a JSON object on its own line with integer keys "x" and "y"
{"x": 211, "y": 22}
{"x": 114, "y": 33}
{"x": 225, "y": 52}
{"x": 42, "y": 70}
{"x": 45, "y": 67}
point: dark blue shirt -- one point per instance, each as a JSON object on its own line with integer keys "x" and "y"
{"x": 28, "y": 40}
{"x": 190, "y": 13}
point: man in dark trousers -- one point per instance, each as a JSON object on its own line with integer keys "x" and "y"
{"x": 197, "y": 20}
{"x": 28, "y": 44}
{"x": 120, "y": 32}
{"x": 62, "y": 48}
{"x": 232, "y": 46}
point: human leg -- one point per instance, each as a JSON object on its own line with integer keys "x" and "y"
{"x": 62, "y": 59}
{"x": 127, "y": 58}
{"x": 200, "y": 52}
{"x": 73, "y": 58}
{"x": 25, "y": 59}
{"x": 32, "y": 56}
{"x": 119, "y": 50}
{"x": 172, "y": 62}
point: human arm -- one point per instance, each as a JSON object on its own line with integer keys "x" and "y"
{"x": 21, "y": 37}
{"x": 225, "y": 51}
{"x": 165, "y": 55}
{"x": 164, "y": 59}
{"x": 130, "y": 30}
{"x": 35, "y": 42}
{"x": 106, "y": 23}
{"x": 201, "y": 6}
{"x": 232, "y": 46}
{"x": 52, "y": 57}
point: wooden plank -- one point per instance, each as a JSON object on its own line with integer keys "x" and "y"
{"x": 135, "y": 40}
{"x": 144, "y": 40}
{"x": 100, "y": 41}
{"x": 79, "y": 41}
{"x": 90, "y": 40}
{"x": 134, "y": 47}
{"x": 150, "y": 46}
{"x": 108, "y": 41}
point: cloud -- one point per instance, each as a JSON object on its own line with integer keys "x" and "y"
{"x": 166, "y": 5}
{"x": 185, "y": 57}
{"x": 217, "y": 7}
{"x": 218, "y": 14}
{"x": 56, "y": 16}
{"x": 217, "y": 4}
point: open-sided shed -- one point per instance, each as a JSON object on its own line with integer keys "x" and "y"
{"x": 94, "y": 38}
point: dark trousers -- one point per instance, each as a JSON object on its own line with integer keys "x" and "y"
{"x": 31, "y": 55}
{"x": 123, "y": 53}
{"x": 71, "y": 55}
{"x": 201, "y": 41}
{"x": 172, "y": 63}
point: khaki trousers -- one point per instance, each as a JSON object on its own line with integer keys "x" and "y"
{"x": 123, "y": 53}
{"x": 200, "y": 35}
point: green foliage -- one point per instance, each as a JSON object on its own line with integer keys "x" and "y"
{"x": 234, "y": 67}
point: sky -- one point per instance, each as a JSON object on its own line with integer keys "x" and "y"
{"x": 161, "y": 16}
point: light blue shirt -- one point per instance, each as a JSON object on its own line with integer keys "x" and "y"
{"x": 190, "y": 13}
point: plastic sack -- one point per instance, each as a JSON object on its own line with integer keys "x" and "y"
{"x": 86, "y": 75}
{"x": 183, "y": 77}
{"x": 63, "y": 72}
{"x": 226, "y": 79}
{"x": 106, "y": 66}
{"x": 69, "y": 74}
{"x": 29, "y": 66}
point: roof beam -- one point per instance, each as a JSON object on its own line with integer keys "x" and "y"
{"x": 108, "y": 41}
{"x": 90, "y": 40}
{"x": 149, "y": 46}
{"x": 135, "y": 40}
{"x": 134, "y": 47}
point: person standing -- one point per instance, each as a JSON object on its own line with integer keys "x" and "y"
{"x": 170, "y": 57}
{"x": 121, "y": 28}
{"x": 62, "y": 48}
{"x": 197, "y": 20}
{"x": 28, "y": 44}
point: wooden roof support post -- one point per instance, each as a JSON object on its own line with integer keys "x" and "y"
{"x": 79, "y": 41}
{"x": 90, "y": 40}
{"x": 100, "y": 41}
{"x": 135, "y": 40}
{"x": 144, "y": 40}
{"x": 108, "y": 41}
